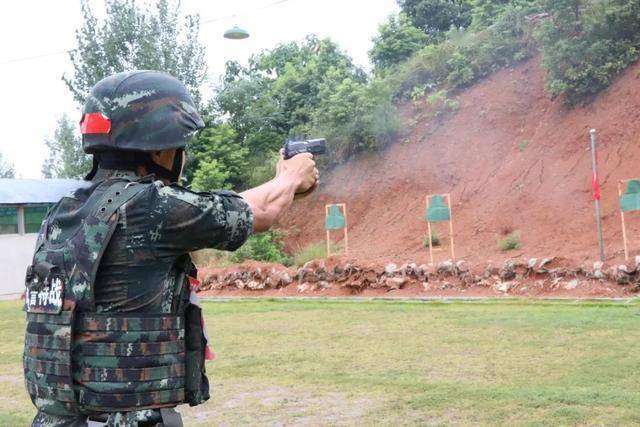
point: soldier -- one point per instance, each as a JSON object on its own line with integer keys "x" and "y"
{"x": 114, "y": 335}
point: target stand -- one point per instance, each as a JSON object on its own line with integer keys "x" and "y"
{"x": 439, "y": 211}
{"x": 629, "y": 202}
{"x": 336, "y": 219}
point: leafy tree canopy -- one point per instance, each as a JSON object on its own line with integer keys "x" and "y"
{"x": 275, "y": 96}
{"x": 6, "y": 169}
{"x": 436, "y": 17}
{"x": 137, "y": 37}
{"x": 396, "y": 41}
{"x": 66, "y": 158}
{"x": 222, "y": 160}
{"x": 130, "y": 37}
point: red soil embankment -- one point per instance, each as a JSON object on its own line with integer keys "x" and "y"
{"x": 512, "y": 159}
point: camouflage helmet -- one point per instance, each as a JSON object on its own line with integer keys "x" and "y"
{"x": 138, "y": 111}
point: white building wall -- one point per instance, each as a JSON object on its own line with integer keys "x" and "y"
{"x": 16, "y": 252}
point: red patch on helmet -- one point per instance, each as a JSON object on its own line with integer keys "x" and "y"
{"x": 95, "y": 123}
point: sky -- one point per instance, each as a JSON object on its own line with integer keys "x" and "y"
{"x": 36, "y": 33}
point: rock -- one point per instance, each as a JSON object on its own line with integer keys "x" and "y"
{"x": 572, "y": 284}
{"x": 285, "y": 279}
{"x": 483, "y": 283}
{"x": 542, "y": 267}
{"x": 531, "y": 264}
{"x": 396, "y": 282}
{"x": 423, "y": 271}
{"x": 390, "y": 268}
{"x": 303, "y": 287}
{"x": 257, "y": 274}
{"x": 408, "y": 269}
{"x": 322, "y": 285}
{"x": 490, "y": 271}
{"x": 622, "y": 275}
{"x": 255, "y": 285}
{"x": 370, "y": 276}
{"x": 637, "y": 262}
{"x": 238, "y": 284}
{"x": 446, "y": 268}
{"x": 462, "y": 267}
{"x": 507, "y": 272}
{"x": 503, "y": 287}
{"x": 321, "y": 273}
{"x": 597, "y": 271}
{"x": 425, "y": 286}
{"x": 306, "y": 275}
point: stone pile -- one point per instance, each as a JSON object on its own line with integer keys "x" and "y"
{"x": 505, "y": 278}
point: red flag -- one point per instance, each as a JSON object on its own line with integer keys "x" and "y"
{"x": 596, "y": 187}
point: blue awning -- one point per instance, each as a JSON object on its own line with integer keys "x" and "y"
{"x": 32, "y": 191}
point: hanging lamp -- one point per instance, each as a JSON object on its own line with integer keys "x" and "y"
{"x": 236, "y": 33}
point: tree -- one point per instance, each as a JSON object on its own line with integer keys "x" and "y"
{"x": 66, "y": 158}
{"x": 486, "y": 11}
{"x": 275, "y": 97}
{"x": 436, "y": 17}
{"x": 586, "y": 44}
{"x": 396, "y": 41}
{"x": 131, "y": 37}
{"x": 221, "y": 161}
{"x": 356, "y": 116}
{"x": 7, "y": 169}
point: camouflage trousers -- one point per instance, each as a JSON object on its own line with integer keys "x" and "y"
{"x": 119, "y": 419}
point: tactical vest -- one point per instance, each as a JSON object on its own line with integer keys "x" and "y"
{"x": 79, "y": 361}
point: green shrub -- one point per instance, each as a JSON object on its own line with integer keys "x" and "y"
{"x": 586, "y": 44}
{"x": 309, "y": 253}
{"x": 211, "y": 258}
{"x": 266, "y": 247}
{"x": 523, "y": 145}
{"x": 396, "y": 41}
{"x": 509, "y": 242}
{"x": 355, "y": 117}
{"x": 441, "y": 105}
{"x": 261, "y": 169}
{"x": 466, "y": 57}
{"x": 435, "y": 239}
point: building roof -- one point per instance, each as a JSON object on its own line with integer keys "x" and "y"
{"x": 23, "y": 191}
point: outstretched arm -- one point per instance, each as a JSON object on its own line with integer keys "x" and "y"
{"x": 269, "y": 200}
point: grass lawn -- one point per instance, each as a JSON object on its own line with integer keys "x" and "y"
{"x": 390, "y": 363}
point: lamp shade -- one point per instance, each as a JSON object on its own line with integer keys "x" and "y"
{"x": 236, "y": 33}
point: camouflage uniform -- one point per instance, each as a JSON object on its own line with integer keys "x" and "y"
{"x": 111, "y": 327}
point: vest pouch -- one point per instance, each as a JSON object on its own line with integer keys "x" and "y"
{"x": 196, "y": 382}
{"x": 47, "y": 362}
{"x": 128, "y": 361}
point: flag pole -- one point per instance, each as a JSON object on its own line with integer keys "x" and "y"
{"x": 596, "y": 191}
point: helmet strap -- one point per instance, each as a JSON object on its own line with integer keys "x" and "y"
{"x": 94, "y": 169}
{"x": 133, "y": 159}
{"x": 171, "y": 175}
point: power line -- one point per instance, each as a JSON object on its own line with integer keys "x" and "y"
{"x": 31, "y": 58}
{"x": 204, "y": 22}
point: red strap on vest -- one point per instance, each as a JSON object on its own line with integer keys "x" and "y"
{"x": 95, "y": 123}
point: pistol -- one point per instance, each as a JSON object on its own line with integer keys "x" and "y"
{"x": 313, "y": 146}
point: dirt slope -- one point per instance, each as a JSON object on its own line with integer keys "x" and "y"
{"x": 511, "y": 158}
